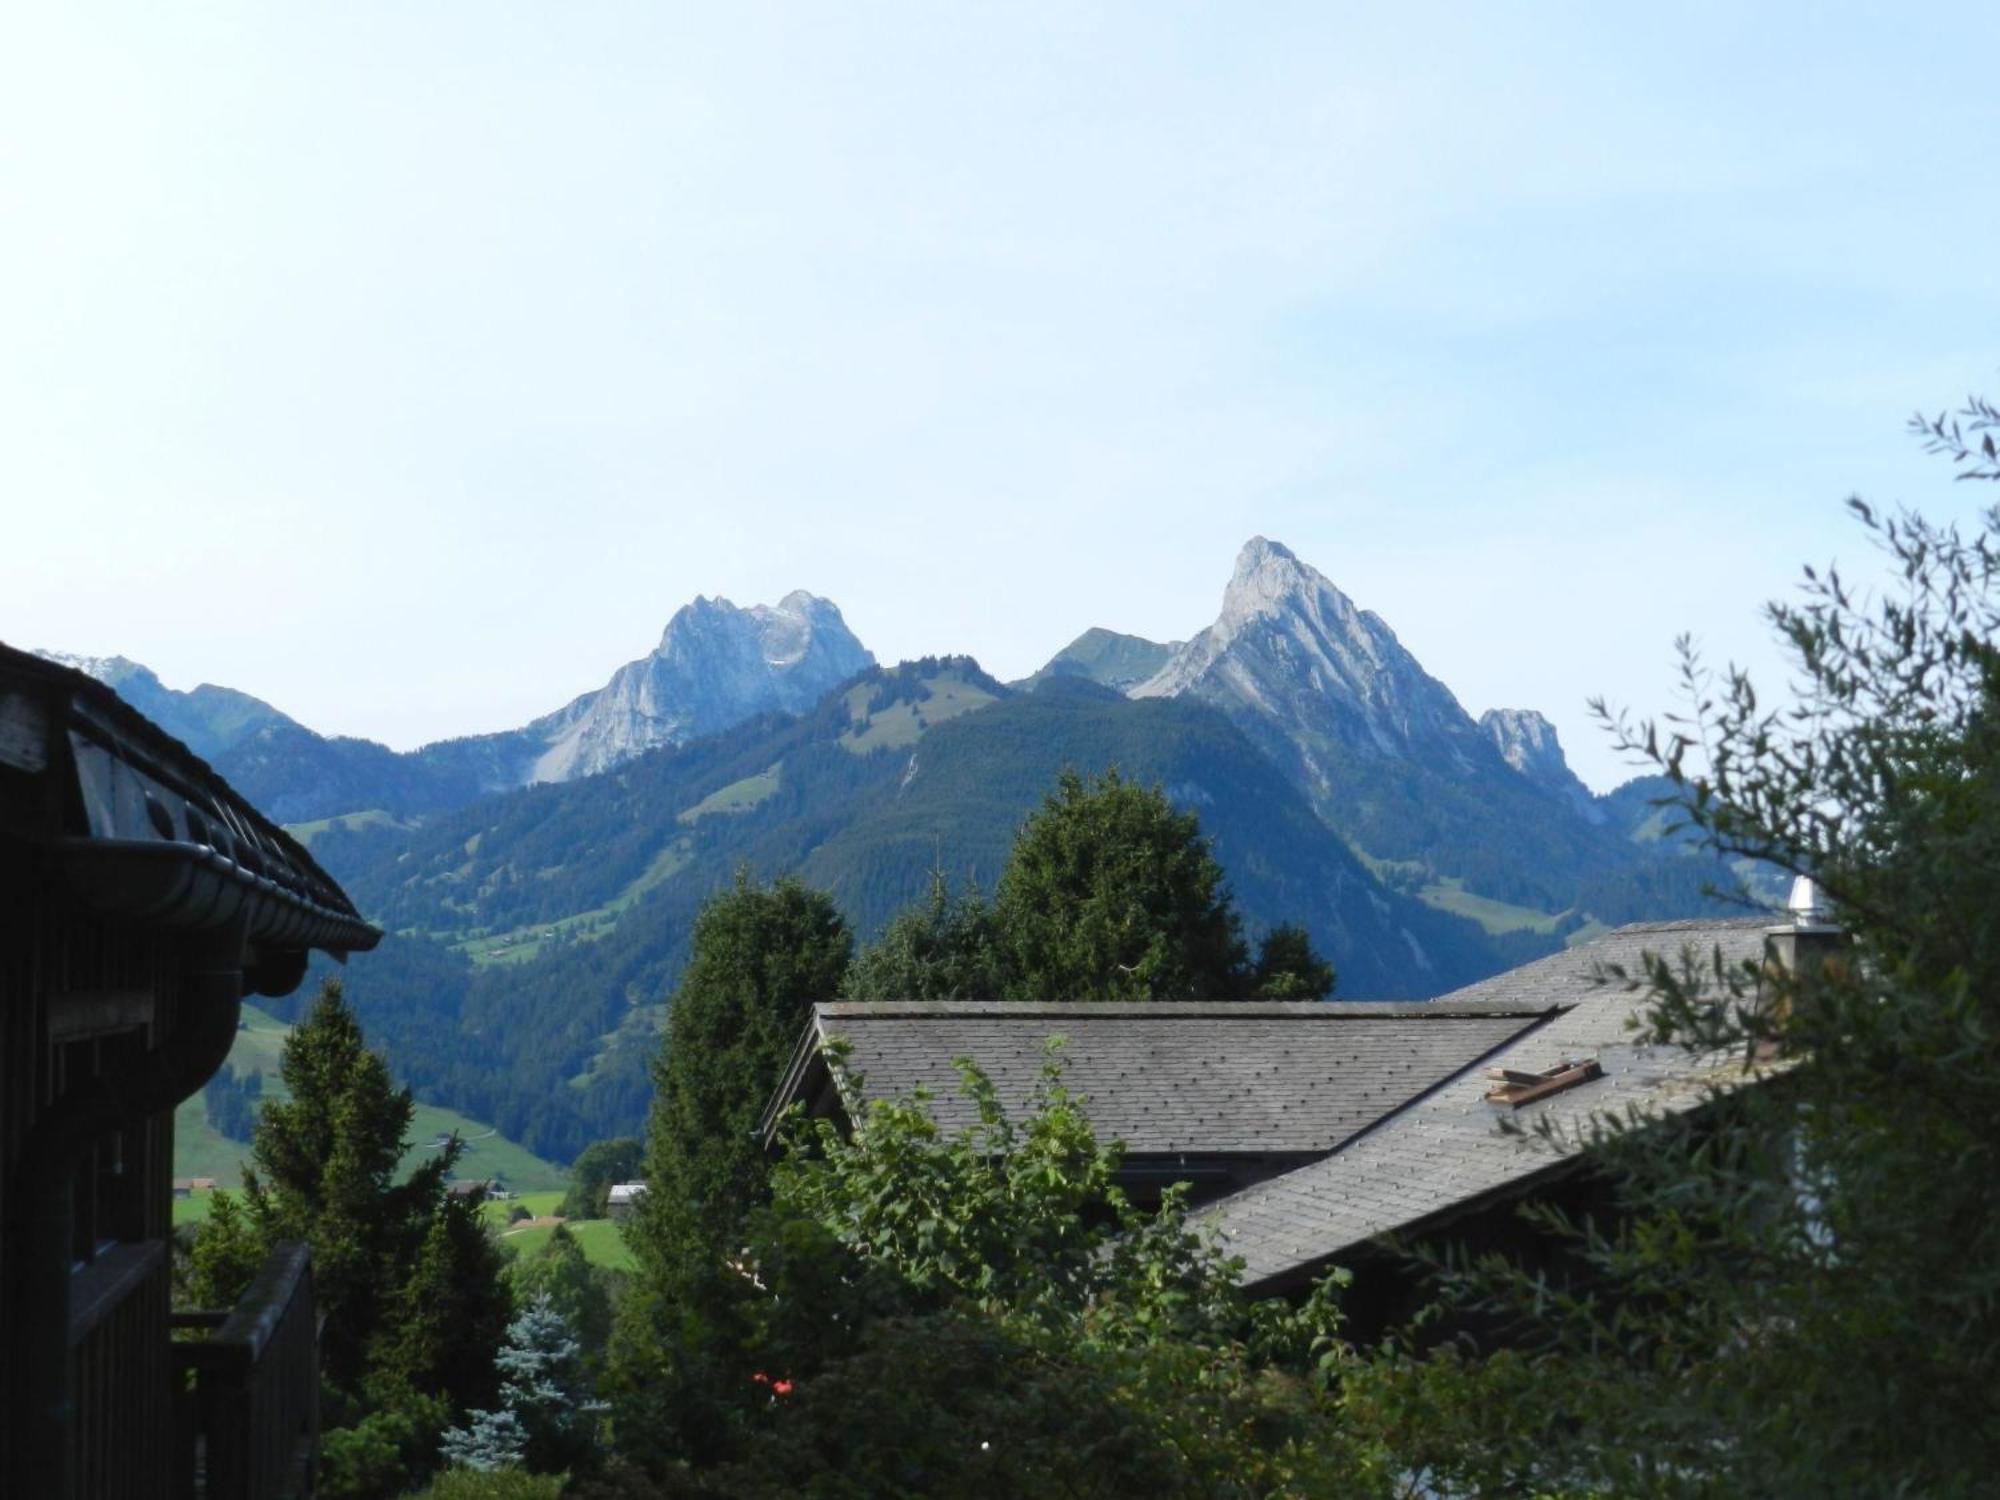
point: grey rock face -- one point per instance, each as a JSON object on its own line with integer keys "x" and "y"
{"x": 1528, "y": 743}
{"x": 1381, "y": 749}
{"x": 716, "y": 665}
{"x": 1291, "y": 651}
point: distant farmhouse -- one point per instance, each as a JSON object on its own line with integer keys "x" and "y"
{"x": 623, "y": 1198}
{"x": 143, "y": 900}
{"x": 1323, "y": 1134}
{"x": 490, "y": 1189}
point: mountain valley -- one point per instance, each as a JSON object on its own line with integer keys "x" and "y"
{"x": 539, "y": 884}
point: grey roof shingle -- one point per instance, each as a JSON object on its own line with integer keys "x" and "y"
{"x": 1447, "y": 1150}
{"x": 1169, "y": 1078}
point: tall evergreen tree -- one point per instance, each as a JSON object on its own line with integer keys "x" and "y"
{"x": 1287, "y": 968}
{"x": 943, "y": 948}
{"x": 410, "y": 1288}
{"x": 761, "y": 956}
{"x": 1111, "y": 894}
{"x": 449, "y": 1314}
{"x": 578, "y": 1290}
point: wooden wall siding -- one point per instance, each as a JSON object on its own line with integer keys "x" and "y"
{"x": 122, "y": 1396}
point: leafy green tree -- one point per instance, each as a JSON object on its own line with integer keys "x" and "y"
{"x": 596, "y": 1169}
{"x": 1110, "y": 894}
{"x": 984, "y": 1314}
{"x": 944, "y": 948}
{"x": 1799, "y": 1296}
{"x": 761, "y": 956}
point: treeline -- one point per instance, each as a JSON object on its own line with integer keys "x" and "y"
{"x": 233, "y": 1100}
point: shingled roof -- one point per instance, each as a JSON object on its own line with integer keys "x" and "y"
{"x": 1446, "y": 1152}
{"x": 1166, "y": 1078}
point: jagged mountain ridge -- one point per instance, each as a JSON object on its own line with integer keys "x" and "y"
{"x": 576, "y": 899}
{"x": 1291, "y": 646}
{"x": 1387, "y": 755}
{"x": 1527, "y": 741}
{"x": 716, "y": 665}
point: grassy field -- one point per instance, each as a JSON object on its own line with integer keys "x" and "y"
{"x": 520, "y": 944}
{"x": 737, "y": 797}
{"x": 600, "y": 1240}
{"x": 1494, "y": 916}
{"x": 305, "y": 833}
{"x": 201, "y": 1151}
{"x": 901, "y": 724}
{"x": 541, "y": 1205}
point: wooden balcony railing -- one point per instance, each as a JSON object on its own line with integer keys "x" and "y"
{"x": 121, "y": 1434}
{"x": 252, "y": 1431}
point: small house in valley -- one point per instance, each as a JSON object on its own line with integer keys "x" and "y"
{"x": 623, "y": 1198}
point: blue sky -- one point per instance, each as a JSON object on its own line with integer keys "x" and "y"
{"x": 408, "y": 365}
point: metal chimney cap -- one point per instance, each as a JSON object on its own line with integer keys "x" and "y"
{"x": 1804, "y": 904}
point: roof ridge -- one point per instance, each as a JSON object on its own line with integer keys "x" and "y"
{"x": 1184, "y": 1010}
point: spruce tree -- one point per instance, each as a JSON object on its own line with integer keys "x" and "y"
{"x": 546, "y": 1418}
{"x": 1111, "y": 894}
{"x": 761, "y": 956}
{"x": 407, "y": 1282}
{"x": 1287, "y": 968}
{"x": 561, "y": 1272}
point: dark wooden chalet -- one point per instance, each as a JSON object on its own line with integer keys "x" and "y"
{"x": 1324, "y": 1134}
{"x": 1218, "y": 1096}
{"x": 140, "y": 900}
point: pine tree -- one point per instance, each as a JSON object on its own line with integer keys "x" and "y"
{"x": 324, "y": 1162}
{"x": 761, "y": 956}
{"x": 1287, "y": 967}
{"x": 449, "y": 1314}
{"x": 563, "y": 1273}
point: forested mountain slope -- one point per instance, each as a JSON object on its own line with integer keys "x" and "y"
{"x": 1390, "y": 760}
{"x": 539, "y": 932}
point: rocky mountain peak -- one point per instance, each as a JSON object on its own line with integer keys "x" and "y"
{"x": 717, "y": 664}
{"x": 1527, "y": 741}
{"x": 1287, "y": 616}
